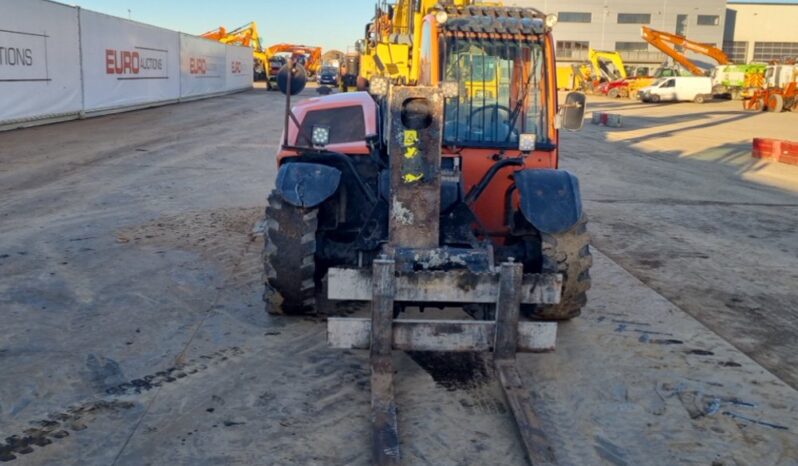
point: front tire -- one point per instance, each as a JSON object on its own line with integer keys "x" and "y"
{"x": 566, "y": 253}
{"x": 289, "y": 257}
{"x": 776, "y": 103}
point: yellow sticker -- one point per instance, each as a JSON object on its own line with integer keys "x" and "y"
{"x": 410, "y": 178}
{"x": 411, "y": 137}
{"x": 411, "y": 152}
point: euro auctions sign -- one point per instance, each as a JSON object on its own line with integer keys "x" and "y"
{"x": 206, "y": 67}
{"x": 138, "y": 63}
{"x": 23, "y": 56}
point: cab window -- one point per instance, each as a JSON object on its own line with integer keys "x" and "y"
{"x": 426, "y": 54}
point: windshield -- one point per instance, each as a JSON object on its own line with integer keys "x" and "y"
{"x": 329, "y": 70}
{"x": 501, "y": 93}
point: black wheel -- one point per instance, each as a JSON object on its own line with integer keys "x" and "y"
{"x": 567, "y": 253}
{"x": 655, "y": 98}
{"x": 699, "y": 99}
{"x": 614, "y": 93}
{"x": 289, "y": 262}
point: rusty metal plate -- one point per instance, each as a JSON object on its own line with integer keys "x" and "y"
{"x": 454, "y": 286}
{"x": 415, "y": 127}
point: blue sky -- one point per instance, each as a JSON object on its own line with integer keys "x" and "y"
{"x": 327, "y": 23}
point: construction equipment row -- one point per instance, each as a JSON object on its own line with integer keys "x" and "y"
{"x": 267, "y": 60}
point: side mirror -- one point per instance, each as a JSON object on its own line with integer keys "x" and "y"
{"x": 297, "y": 77}
{"x": 572, "y": 113}
{"x": 360, "y": 46}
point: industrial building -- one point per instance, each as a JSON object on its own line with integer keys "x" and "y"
{"x": 761, "y": 32}
{"x": 746, "y": 31}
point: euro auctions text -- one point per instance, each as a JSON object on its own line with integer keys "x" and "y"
{"x": 130, "y": 62}
{"x": 14, "y": 56}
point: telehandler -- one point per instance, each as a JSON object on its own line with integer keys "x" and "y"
{"x": 429, "y": 195}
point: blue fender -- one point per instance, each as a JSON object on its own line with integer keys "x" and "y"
{"x": 307, "y": 184}
{"x": 550, "y": 199}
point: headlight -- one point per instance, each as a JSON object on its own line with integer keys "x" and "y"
{"x": 378, "y": 86}
{"x": 441, "y": 17}
{"x": 450, "y": 89}
{"x": 526, "y": 143}
{"x": 320, "y": 135}
{"x": 551, "y": 20}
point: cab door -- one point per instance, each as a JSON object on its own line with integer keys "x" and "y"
{"x": 667, "y": 90}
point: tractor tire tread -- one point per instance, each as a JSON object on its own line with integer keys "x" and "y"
{"x": 567, "y": 253}
{"x": 289, "y": 264}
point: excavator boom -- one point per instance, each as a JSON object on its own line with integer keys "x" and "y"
{"x": 667, "y": 43}
{"x": 607, "y": 64}
{"x": 313, "y": 59}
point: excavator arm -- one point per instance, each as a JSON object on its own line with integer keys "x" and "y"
{"x": 609, "y": 64}
{"x": 215, "y": 34}
{"x": 667, "y": 43}
{"x": 313, "y": 62}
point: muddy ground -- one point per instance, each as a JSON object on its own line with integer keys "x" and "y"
{"x": 134, "y": 332}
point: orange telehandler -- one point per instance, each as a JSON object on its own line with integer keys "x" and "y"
{"x": 427, "y": 195}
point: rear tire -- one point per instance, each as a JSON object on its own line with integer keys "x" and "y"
{"x": 289, "y": 262}
{"x": 614, "y": 93}
{"x": 567, "y": 253}
{"x": 699, "y": 99}
{"x": 775, "y": 103}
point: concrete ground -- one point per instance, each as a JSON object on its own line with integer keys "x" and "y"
{"x": 133, "y": 330}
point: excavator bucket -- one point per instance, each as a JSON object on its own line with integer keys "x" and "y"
{"x": 414, "y": 270}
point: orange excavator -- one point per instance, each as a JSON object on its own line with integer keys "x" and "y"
{"x": 307, "y": 56}
{"x": 215, "y": 34}
{"x": 245, "y": 36}
{"x": 667, "y": 43}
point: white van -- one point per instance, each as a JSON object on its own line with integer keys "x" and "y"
{"x": 679, "y": 88}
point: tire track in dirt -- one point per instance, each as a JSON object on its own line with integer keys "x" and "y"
{"x": 58, "y": 425}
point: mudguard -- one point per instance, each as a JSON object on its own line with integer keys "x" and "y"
{"x": 307, "y": 184}
{"x": 550, "y": 199}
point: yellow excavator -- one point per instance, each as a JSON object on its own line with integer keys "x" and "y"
{"x": 245, "y": 36}
{"x": 606, "y": 65}
{"x": 392, "y": 46}
{"x": 602, "y": 66}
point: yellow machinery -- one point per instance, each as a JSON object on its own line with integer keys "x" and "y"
{"x": 601, "y": 66}
{"x": 607, "y": 65}
{"x": 246, "y": 36}
{"x": 392, "y": 46}
{"x": 573, "y": 77}
{"x": 386, "y": 49}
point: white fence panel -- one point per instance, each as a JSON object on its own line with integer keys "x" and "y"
{"x": 240, "y": 68}
{"x": 127, "y": 64}
{"x": 203, "y": 66}
{"x": 39, "y": 61}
